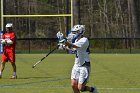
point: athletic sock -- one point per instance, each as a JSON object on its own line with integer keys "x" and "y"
{"x": 0, "y": 73}
{"x": 14, "y": 74}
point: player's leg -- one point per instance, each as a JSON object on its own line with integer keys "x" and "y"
{"x": 14, "y": 70}
{"x": 74, "y": 79}
{"x": 2, "y": 66}
{"x": 12, "y": 61}
{"x": 3, "y": 62}
{"x": 74, "y": 84}
{"x": 84, "y": 88}
{"x": 83, "y": 79}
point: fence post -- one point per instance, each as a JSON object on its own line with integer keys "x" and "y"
{"x": 104, "y": 45}
{"x": 1, "y": 45}
{"x": 130, "y": 43}
{"x": 29, "y": 46}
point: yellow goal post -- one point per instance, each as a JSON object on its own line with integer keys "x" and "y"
{"x": 54, "y": 15}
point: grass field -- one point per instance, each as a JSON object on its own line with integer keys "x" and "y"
{"x": 111, "y": 73}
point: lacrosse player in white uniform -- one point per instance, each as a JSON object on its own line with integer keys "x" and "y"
{"x": 81, "y": 69}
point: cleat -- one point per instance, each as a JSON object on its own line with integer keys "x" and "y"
{"x": 13, "y": 77}
{"x": 95, "y": 90}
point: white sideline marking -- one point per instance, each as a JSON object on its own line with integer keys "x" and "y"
{"x": 118, "y": 88}
{"x": 25, "y": 87}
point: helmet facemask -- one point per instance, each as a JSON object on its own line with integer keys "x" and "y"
{"x": 76, "y": 32}
{"x": 9, "y": 26}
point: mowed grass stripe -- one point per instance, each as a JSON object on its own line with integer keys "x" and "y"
{"x": 111, "y": 73}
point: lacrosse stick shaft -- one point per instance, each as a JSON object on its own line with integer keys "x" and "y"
{"x": 45, "y": 56}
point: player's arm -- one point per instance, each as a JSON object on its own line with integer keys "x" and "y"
{"x": 6, "y": 41}
{"x": 71, "y": 45}
{"x": 64, "y": 42}
{"x": 2, "y": 40}
{"x": 13, "y": 37}
{"x": 11, "y": 40}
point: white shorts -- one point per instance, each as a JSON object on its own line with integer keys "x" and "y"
{"x": 80, "y": 73}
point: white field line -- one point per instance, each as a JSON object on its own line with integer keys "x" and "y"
{"x": 54, "y": 87}
{"x": 119, "y": 88}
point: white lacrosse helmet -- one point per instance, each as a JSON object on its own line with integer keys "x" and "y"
{"x": 78, "y": 29}
{"x": 9, "y": 25}
{"x": 76, "y": 32}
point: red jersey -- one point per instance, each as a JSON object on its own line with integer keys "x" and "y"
{"x": 10, "y": 35}
{"x": 9, "y": 49}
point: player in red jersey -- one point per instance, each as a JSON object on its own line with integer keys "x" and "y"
{"x": 9, "y": 42}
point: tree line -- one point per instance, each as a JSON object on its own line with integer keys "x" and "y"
{"x": 102, "y": 18}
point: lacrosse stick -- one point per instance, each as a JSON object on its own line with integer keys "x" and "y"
{"x": 45, "y": 57}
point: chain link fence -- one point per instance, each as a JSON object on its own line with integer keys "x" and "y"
{"x": 97, "y": 45}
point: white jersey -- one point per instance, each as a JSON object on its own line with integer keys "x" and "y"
{"x": 82, "y": 55}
